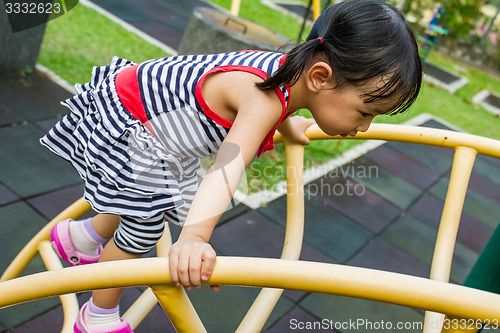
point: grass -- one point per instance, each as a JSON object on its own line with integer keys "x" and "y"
{"x": 75, "y": 42}
{"x": 81, "y": 39}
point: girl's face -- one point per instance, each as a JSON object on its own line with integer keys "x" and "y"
{"x": 341, "y": 111}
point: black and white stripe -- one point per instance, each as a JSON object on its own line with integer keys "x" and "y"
{"x": 130, "y": 171}
{"x": 139, "y": 236}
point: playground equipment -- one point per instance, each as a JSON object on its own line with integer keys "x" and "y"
{"x": 435, "y": 294}
{"x": 433, "y": 32}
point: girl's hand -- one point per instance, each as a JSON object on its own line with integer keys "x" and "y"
{"x": 294, "y": 129}
{"x": 191, "y": 261}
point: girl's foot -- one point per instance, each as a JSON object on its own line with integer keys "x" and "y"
{"x": 81, "y": 326}
{"x": 76, "y": 242}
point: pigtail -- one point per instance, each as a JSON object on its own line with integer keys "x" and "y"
{"x": 295, "y": 63}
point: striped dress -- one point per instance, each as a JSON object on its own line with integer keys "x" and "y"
{"x": 136, "y": 132}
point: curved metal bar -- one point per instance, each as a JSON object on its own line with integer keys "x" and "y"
{"x": 461, "y": 302}
{"x": 414, "y": 134}
{"x": 261, "y": 309}
{"x": 69, "y": 301}
{"x": 337, "y": 279}
{"x": 463, "y": 162}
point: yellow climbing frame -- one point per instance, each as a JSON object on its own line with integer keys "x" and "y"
{"x": 435, "y": 295}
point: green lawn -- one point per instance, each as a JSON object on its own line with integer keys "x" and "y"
{"x": 83, "y": 38}
{"x": 75, "y": 42}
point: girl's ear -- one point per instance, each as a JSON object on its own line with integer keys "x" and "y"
{"x": 319, "y": 76}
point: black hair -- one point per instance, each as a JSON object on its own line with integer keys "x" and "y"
{"x": 361, "y": 40}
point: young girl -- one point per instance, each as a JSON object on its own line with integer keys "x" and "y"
{"x": 135, "y": 134}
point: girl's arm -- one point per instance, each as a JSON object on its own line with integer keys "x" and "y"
{"x": 191, "y": 258}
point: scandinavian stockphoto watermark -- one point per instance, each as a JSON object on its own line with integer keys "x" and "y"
{"x": 25, "y": 14}
{"x": 364, "y": 324}
{"x": 361, "y": 324}
{"x": 346, "y": 180}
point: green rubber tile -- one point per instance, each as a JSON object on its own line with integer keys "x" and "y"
{"x": 8, "y": 116}
{"x": 353, "y": 201}
{"x": 403, "y": 166}
{"x": 33, "y": 97}
{"x": 485, "y": 187}
{"x": 250, "y": 235}
{"x": 27, "y": 167}
{"x": 183, "y": 8}
{"x": 381, "y": 255}
{"x": 6, "y": 196}
{"x": 253, "y": 235}
{"x": 477, "y": 206}
{"x": 223, "y": 311}
{"x": 234, "y": 212}
{"x": 162, "y": 32}
{"x": 471, "y": 233}
{"x": 382, "y": 182}
{"x": 431, "y": 157}
{"x": 357, "y": 315}
{"x": 491, "y": 160}
{"x": 487, "y": 169}
{"x": 413, "y": 237}
{"x": 129, "y": 11}
{"x": 333, "y": 233}
{"x": 17, "y": 315}
{"x": 18, "y": 224}
{"x": 435, "y": 124}
{"x": 418, "y": 240}
{"x": 52, "y": 203}
{"x": 48, "y": 322}
{"x": 47, "y": 124}
{"x": 324, "y": 229}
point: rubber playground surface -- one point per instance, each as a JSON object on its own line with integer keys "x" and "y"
{"x": 380, "y": 210}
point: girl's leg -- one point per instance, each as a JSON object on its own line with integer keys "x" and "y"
{"x": 109, "y": 298}
{"x": 132, "y": 239}
{"x": 105, "y": 224}
{"x": 88, "y": 235}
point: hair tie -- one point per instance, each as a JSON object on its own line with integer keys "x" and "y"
{"x": 320, "y": 40}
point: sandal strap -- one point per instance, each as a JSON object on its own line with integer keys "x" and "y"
{"x": 80, "y": 327}
{"x": 64, "y": 247}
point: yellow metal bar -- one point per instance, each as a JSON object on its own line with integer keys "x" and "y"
{"x": 414, "y": 134}
{"x": 316, "y": 9}
{"x": 23, "y": 258}
{"x": 294, "y": 202}
{"x": 463, "y": 162}
{"x": 141, "y": 308}
{"x": 147, "y": 301}
{"x": 395, "y": 288}
{"x": 174, "y": 300}
{"x": 452, "y": 211}
{"x": 261, "y": 309}
{"x": 178, "y": 308}
{"x": 235, "y": 7}
{"x": 69, "y": 301}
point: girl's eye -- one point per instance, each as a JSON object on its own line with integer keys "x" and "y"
{"x": 364, "y": 114}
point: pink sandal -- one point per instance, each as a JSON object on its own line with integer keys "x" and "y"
{"x": 80, "y": 326}
{"x": 61, "y": 243}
